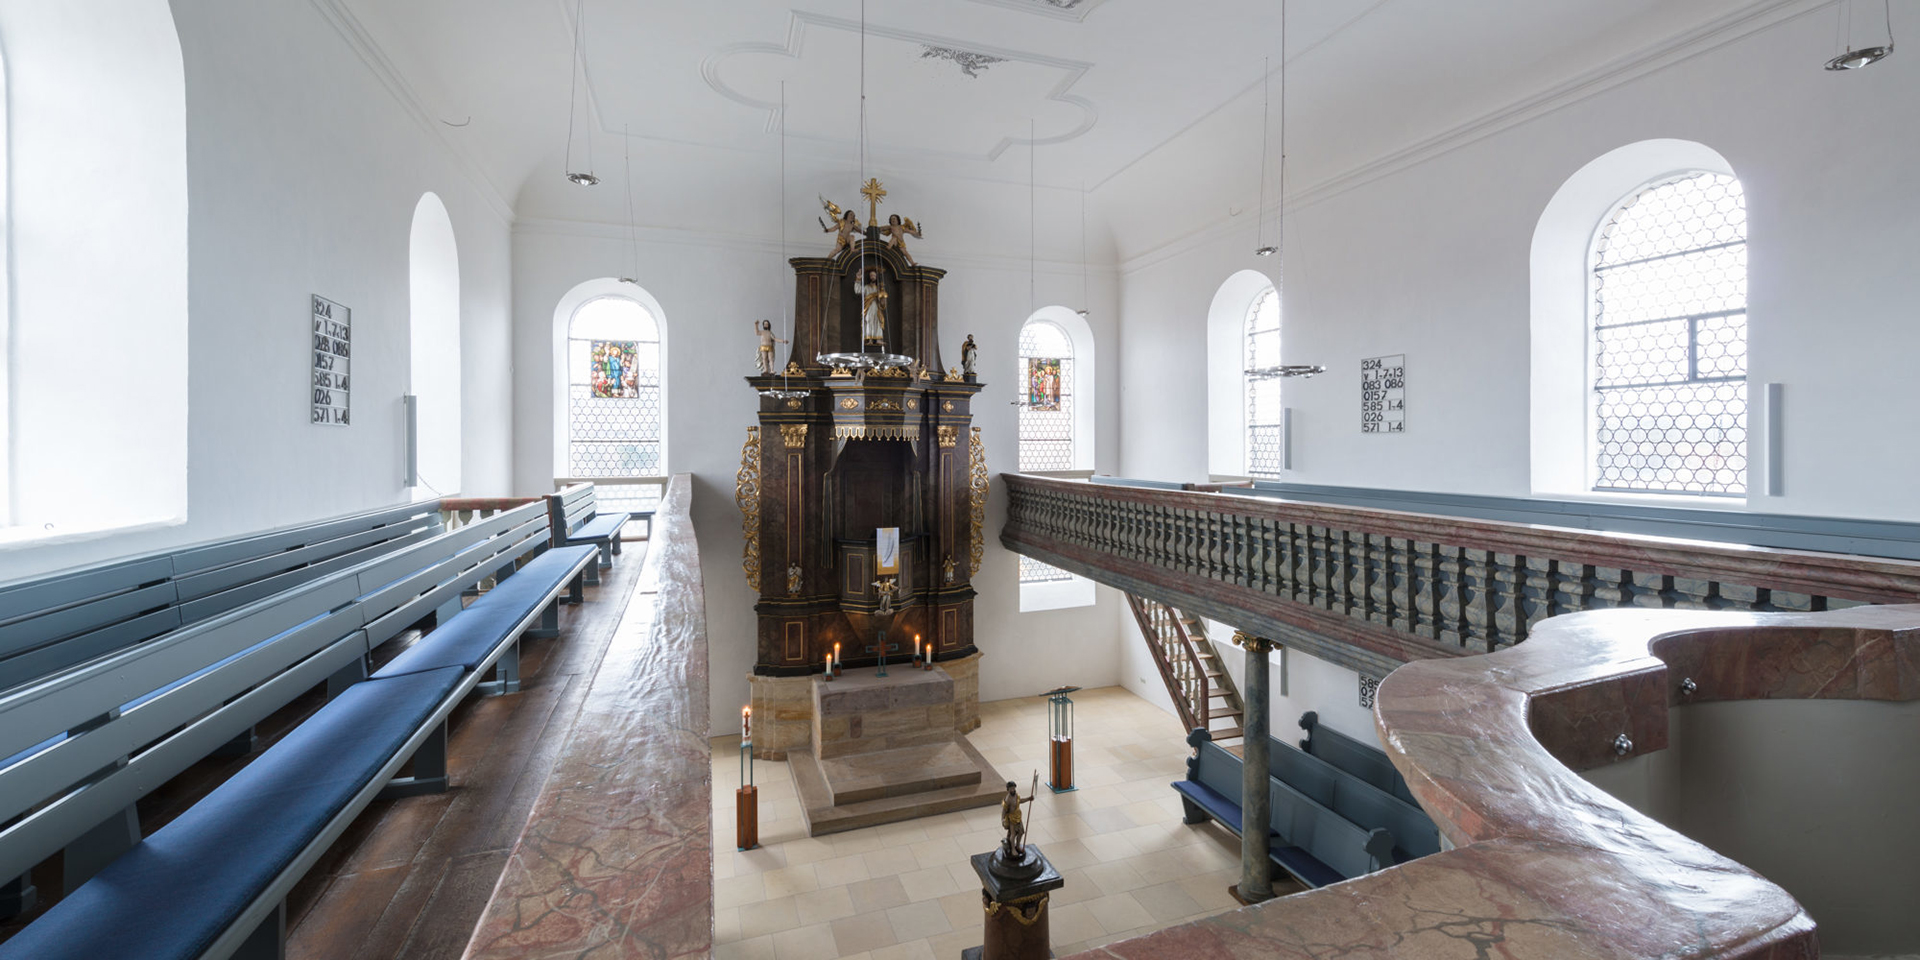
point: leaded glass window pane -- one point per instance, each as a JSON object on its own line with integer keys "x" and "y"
{"x": 1670, "y": 340}
{"x": 613, "y": 390}
{"x": 1264, "y": 408}
{"x": 1046, "y": 415}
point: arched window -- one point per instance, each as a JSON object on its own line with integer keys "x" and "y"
{"x": 1668, "y": 365}
{"x": 433, "y": 326}
{"x": 1261, "y": 370}
{"x": 1046, "y": 397}
{"x": 614, "y": 422}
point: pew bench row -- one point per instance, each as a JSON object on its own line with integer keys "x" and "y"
{"x": 87, "y": 743}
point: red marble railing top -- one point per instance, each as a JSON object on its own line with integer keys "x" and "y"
{"x": 1867, "y": 579}
{"x": 1545, "y": 864}
{"x": 616, "y": 860}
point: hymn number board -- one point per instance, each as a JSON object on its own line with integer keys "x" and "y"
{"x": 332, "y": 362}
{"x": 1383, "y": 394}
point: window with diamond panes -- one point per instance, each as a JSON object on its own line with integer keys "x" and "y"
{"x": 1670, "y": 340}
{"x": 1264, "y": 412}
{"x": 1046, "y": 426}
{"x": 613, "y": 390}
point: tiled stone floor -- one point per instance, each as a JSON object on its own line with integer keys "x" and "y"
{"x": 906, "y": 890}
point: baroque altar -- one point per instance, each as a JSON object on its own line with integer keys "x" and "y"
{"x": 863, "y": 491}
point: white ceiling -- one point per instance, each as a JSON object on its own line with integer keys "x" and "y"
{"x": 1102, "y": 82}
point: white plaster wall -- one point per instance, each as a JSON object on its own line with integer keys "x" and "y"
{"x": 1431, "y": 260}
{"x": 303, "y": 172}
{"x": 710, "y": 289}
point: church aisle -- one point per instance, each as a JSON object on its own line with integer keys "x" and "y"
{"x": 411, "y": 877}
{"x": 906, "y": 890}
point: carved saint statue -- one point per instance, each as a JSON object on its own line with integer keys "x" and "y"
{"x": 763, "y": 330}
{"x": 873, "y": 307}
{"x": 968, "y": 353}
{"x": 946, "y": 569}
{"x": 1014, "y": 849}
{"x": 845, "y": 226}
{"x": 897, "y": 233}
{"x": 793, "y": 579}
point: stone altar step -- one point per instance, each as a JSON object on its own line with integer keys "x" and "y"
{"x": 882, "y": 780}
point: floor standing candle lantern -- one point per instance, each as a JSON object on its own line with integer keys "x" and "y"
{"x": 746, "y": 800}
{"x": 1060, "y": 739}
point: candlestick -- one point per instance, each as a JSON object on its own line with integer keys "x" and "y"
{"x": 829, "y": 667}
{"x": 746, "y": 724}
{"x": 838, "y": 664}
{"x": 916, "y": 648}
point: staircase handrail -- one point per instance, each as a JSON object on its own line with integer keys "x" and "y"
{"x": 1144, "y": 619}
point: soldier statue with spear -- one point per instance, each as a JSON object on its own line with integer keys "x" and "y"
{"x": 1014, "y": 850}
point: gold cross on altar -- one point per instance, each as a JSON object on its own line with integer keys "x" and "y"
{"x": 874, "y": 193}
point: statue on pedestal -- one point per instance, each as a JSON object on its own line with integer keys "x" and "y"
{"x": 873, "y": 307}
{"x": 968, "y": 354}
{"x": 763, "y": 330}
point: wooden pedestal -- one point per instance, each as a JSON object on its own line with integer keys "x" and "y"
{"x": 746, "y": 822}
{"x": 1060, "y": 771}
{"x": 1018, "y": 915}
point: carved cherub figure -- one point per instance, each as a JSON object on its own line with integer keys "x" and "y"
{"x": 896, "y": 231}
{"x": 845, "y": 226}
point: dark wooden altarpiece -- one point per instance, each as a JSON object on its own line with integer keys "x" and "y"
{"x": 860, "y": 452}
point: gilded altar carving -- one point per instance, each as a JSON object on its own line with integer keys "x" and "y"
{"x": 977, "y": 497}
{"x": 794, "y": 435}
{"x": 849, "y": 403}
{"x": 949, "y": 435}
{"x": 746, "y": 494}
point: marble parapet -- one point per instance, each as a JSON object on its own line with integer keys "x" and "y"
{"x": 1545, "y": 864}
{"x": 616, "y": 859}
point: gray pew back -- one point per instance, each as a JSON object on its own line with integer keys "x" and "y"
{"x": 55, "y": 622}
{"x": 1354, "y": 799}
{"x": 1362, "y": 760}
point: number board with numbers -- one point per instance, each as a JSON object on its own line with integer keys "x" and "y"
{"x": 332, "y": 362}
{"x": 1383, "y": 394}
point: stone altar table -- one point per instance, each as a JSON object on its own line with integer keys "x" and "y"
{"x": 885, "y": 749}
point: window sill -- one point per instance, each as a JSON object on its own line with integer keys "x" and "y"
{"x": 1728, "y": 504}
{"x": 23, "y": 537}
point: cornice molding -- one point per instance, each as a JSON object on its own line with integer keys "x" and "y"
{"x": 383, "y": 69}
{"x": 737, "y": 242}
{"x": 1732, "y": 28}
{"x": 1074, "y": 10}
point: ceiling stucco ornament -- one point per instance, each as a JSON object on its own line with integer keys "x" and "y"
{"x": 969, "y": 62}
{"x": 955, "y": 124}
{"x": 1063, "y": 9}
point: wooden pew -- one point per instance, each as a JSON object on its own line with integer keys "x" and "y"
{"x": 1311, "y": 842}
{"x": 1363, "y": 761}
{"x": 574, "y": 517}
{"x": 93, "y": 739}
{"x": 1355, "y": 800}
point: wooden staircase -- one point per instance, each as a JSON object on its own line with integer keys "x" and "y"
{"x": 1203, "y": 692}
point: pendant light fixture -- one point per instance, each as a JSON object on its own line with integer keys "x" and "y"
{"x": 633, "y": 238}
{"x": 583, "y": 178}
{"x": 1033, "y": 219}
{"x": 1301, "y": 370}
{"x": 786, "y": 389}
{"x": 1265, "y": 249}
{"x": 1852, "y": 57}
{"x": 1086, "y": 302}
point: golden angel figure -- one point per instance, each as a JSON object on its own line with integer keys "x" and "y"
{"x": 845, "y": 226}
{"x": 897, "y": 231}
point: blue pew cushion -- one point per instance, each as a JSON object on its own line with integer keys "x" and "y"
{"x": 1304, "y": 865}
{"x": 599, "y": 528}
{"x": 174, "y": 893}
{"x": 466, "y": 640}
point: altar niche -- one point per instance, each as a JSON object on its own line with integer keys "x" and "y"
{"x": 862, "y": 449}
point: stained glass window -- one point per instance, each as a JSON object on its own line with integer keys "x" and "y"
{"x": 613, "y": 390}
{"x": 1046, "y": 415}
{"x": 1669, "y": 346}
{"x": 1264, "y": 410}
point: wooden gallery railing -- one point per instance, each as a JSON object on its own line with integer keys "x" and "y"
{"x": 1179, "y": 666}
{"x": 1371, "y": 589}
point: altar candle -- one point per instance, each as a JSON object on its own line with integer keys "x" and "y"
{"x": 746, "y": 724}
{"x": 836, "y": 656}
{"x": 916, "y": 646}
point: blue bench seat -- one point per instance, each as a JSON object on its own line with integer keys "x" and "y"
{"x": 178, "y": 890}
{"x": 599, "y": 528}
{"x": 1216, "y": 804}
{"x": 467, "y": 640}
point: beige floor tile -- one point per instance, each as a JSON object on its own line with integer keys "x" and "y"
{"x": 770, "y": 916}
{"x": 1117, "y": 912}
{"x": 1107, "y": 847}
{"x": 891, "y": 861}
{"x": 854, "y": 841}
{"x": 1166, "y": 903}
{"x": 808, "y": 850}
{"x": 950, "y": 945}
{"x": 726, "y": 924}
{"x": 918, "y": 921}
{"x": 963, "y": 909}
{"x": 937, "y": 853}
{"x": 812, "y": 942}
{"x": 787, "y": 881}
{"x": 878, "y": 894}
{"x": 827, "y": 903}
{"x": 916, "y": 950}
{"x": 734, "y": 891}
{"x": 841, "y": 870}
{"x": 759, "y": 948}
{"x": 930, "y": 884}
{"x": 865, "y": 932}
{"x": 1074, "y": 922}
{"x": 1117, "y": 877}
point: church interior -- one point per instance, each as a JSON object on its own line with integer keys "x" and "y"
{"x": 958, "y": 478}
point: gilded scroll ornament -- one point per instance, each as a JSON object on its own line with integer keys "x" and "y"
{"x": 977, "y": 489}
{"x": 794, "y": 435}
{"x": 949, "y": 435}
{"x": 746, "y": 493}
